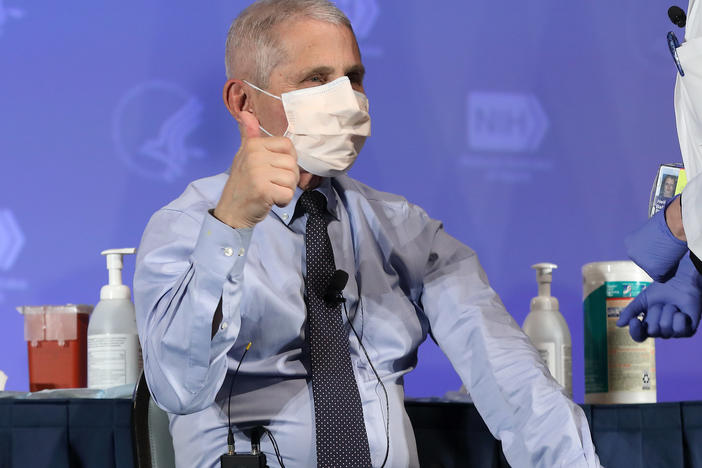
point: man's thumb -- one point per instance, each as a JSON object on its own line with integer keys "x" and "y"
{"x": 250, "y": 124}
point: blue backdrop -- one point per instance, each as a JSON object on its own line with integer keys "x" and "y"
{"x": 532, "y": 129}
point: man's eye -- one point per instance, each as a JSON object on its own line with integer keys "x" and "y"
{"x": 315, "y": 78}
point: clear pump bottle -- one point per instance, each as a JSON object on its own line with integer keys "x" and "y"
{"x": 114, "y": 354}
{"x": 548, "y": 330}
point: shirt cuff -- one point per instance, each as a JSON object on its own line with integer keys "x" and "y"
{"x": 220, "y": 248}
{"x": 691, "y": 203}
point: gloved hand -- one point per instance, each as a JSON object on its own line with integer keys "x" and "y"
{"x": 654, "y": 248}
{"x": 672, "y": 309}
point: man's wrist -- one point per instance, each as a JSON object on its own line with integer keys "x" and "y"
{"x": 673, "y": 218}
{"x": 228, "y": 220}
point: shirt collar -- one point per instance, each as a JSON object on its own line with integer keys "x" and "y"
{"x": 287, "y": 213}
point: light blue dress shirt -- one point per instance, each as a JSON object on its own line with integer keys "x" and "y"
{"x": 407, "y": 277}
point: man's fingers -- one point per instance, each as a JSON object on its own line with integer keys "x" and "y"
{"x": 635, "y": 307}
{"x": 250, "y": 124}
{"x": 284, "y": 169}
{"x": 284, "y": 178}
{"x": 284, "y": 161}
{"x": 281, "y": 195}
{"x": 278, "y": 144}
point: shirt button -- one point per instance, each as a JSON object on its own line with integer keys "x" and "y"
{"x": 285, "y": 216}
{"x": 228, "y": 251}
{"x": 223, "y": 326}
{"x": 242, "y": 251}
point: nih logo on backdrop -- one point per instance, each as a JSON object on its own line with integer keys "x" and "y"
{"x": 150, "y": 128}
{"x": 504, "y": 131}
{"x": 505, "y": 121}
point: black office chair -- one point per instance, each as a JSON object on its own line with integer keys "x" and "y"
{"x": 153, "y": 445}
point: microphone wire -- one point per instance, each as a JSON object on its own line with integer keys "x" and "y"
{"x": 380, "y": 381}
{"x": 230, "y": 434}
{"x": 275, "y": 446}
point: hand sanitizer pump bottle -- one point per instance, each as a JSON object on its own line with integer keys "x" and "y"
{"x": 114, "y": 354}
{"x": 548, "y": 330}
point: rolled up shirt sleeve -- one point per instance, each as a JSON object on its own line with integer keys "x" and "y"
{"x": 522, "y": 405}
{"x": 183, "y": 266}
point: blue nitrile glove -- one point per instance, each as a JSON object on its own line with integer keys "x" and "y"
{"x": 654, "y": 248}
{"x": 672, "y": 309}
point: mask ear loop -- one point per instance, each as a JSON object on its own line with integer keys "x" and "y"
{"x": 268, "y": 94}
{"x": 262, "y": 90}
{"x": 264, "y": 130}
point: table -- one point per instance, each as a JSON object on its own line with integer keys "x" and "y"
{"x": 661, "y": 435}
{"x": 85, "y": 433}
{"x": 76, "y": 433}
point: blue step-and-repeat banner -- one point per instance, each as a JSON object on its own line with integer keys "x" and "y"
{"x": 532, "y": 129}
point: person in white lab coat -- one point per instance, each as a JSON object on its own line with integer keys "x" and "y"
{"x": 688, "y": 116}
{"x": 669, "y": 245}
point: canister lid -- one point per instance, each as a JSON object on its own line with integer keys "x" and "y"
{"x": 617, "y": 270}
{"x": 52, "y": 323}
{"x": 597, "y": 273}
{"x": 56, "y": 309}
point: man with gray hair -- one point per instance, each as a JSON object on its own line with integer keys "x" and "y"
{"x": 260, "y": 255}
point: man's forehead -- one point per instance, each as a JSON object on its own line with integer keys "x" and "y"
{"x": 306, "y": 39}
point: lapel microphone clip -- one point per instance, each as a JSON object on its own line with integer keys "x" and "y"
{"x": 336, "y": 285}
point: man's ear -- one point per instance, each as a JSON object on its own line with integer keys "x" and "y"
{"x": 236, "y": 98}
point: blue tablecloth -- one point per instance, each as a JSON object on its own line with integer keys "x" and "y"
{"x": 65, "y": 433}
{"x": 662, "y": 435}
{"x": 84, "y": 433}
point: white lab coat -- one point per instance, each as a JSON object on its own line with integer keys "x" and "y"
{"x": 688, "y": 117}
{"x": 692, "y": 221}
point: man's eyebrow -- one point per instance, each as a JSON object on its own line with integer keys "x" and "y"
{"x": 321, "y": 70}
{"x": 357, "y": 69}
{"x": 325, "y": 70}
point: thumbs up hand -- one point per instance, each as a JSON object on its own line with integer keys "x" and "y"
{"x": 264, "y": 173}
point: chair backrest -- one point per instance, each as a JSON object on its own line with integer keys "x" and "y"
{"x": 153, "y": 445}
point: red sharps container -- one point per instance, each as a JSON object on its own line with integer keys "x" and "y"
{"x": 56, "y": 345}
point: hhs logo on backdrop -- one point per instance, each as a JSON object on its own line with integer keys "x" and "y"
{"x": 7, "y": 13}
{"x": 151, "y": 126}
{"x": 11, "y": 243}
{"x": 363, "y": 15}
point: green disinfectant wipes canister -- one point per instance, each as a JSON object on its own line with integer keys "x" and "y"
{"x": 617, "y": 368}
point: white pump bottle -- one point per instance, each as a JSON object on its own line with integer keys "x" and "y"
{"x": 114, "y": 354}
{"x": 548, "y": 330}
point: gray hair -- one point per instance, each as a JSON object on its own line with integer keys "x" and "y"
{"x": 253, "y": 49}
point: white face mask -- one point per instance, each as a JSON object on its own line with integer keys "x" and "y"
{"x": 327, "y": 124}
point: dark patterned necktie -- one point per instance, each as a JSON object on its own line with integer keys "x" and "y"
{"x": 341, "y": 433}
